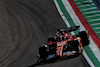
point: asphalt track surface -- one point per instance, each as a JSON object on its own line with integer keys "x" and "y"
{"x": 25, "y": 25}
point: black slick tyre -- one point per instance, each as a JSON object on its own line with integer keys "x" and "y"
{"x": 84, "y": 38}
{"x": 43, "y": 52}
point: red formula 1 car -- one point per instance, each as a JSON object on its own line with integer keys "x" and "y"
{"x": 64, "y": 44}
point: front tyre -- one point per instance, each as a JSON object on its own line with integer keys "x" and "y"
{"x": 43, "y": 52}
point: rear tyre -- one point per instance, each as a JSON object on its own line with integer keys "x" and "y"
{"x": 84, "y": 38}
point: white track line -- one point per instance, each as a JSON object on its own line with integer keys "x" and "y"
{"x": 97, "y": 28}
{"x": 95, "y": 24}
{"x": 87, "y": 58}
{"x": 93, "y": 20}
{"x": 86, "y": 5}
{"x": 83, "y": 2}
{"x": 93, "y": 16}
{"x": 85, "y": 55}
{"x": 98, "y": 33}
{"x": 89, "y": 46}
{"x": 89, "y": 9}
{"x": 71, "y": 12}
{"x": 63, "y": 17}
{"x": 91, "y": 12}
{"x": 78, "y": 22}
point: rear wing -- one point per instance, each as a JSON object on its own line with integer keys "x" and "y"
{"x": 70, "y": 29}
